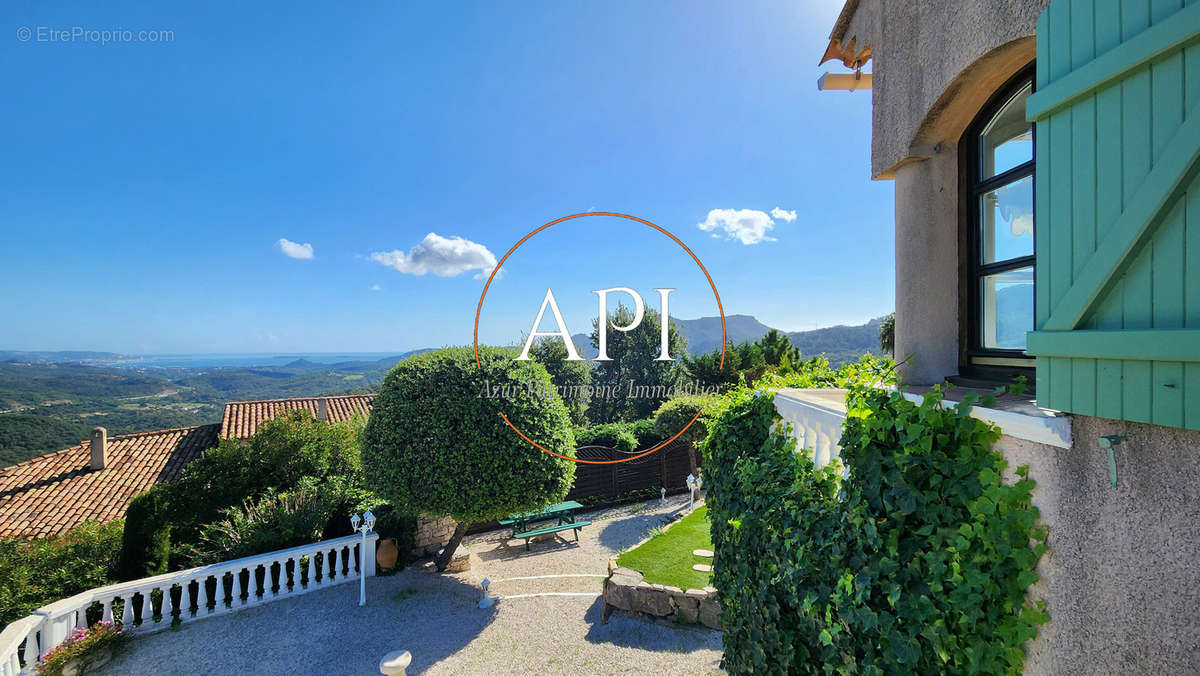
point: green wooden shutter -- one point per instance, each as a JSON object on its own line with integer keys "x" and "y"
{"x": 1117, "y": 113}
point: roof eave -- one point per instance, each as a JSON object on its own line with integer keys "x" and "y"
{"x": 849, "y": 54}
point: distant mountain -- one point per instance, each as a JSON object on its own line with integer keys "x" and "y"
{"x": 838, "y": 343}
{"x": 838, "y": 339}
{"x": 704, "y": 334}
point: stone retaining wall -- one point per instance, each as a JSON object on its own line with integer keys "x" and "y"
{"x": 626, "y": 590}
{"x": 432, "y": 534}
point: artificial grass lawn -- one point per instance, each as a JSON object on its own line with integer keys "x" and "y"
{"x": 667, "y": 558}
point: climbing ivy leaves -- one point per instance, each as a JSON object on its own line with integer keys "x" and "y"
{"x": 918, "y": 561}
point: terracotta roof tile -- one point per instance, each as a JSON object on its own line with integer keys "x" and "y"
{"x": 242, "y": 418}
{"x": 55, "y": 492}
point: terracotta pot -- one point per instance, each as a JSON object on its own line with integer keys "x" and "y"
{"x": 387, "y": 553}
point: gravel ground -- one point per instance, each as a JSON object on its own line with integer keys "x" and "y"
{"x": 435, "y": 617}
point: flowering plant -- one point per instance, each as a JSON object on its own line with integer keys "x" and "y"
{"x": 80, "y": 645}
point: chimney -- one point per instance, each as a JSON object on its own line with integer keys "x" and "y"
{"x": 99, "y": 447}
{"x": 323, "y": 409}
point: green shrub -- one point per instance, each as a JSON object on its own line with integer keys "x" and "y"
{"x": 816, "y": 373}
{"x": 918, "y": 562}
{"x": 646, "y": 433}
{"x": 146, "y": 540}
{"x": 436, "y": 445}
{"x": 273, "y": 522}
{"x": 287, "y": 451}
{"x": 625, "y": 436}
{"x": 393, "y": 523}
{"x": 611, "y": 435}
{"x": 675, "y": 413}
{"x": 81, "y": 646}
{"x": 314, "y": 510}
{"x": 36, "y": 572}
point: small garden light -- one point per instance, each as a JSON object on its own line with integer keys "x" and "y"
{"x": 486, "y": 601}
{"x": 364, "y": 524}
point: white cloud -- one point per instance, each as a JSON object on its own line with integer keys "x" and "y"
{"x": 376, "y": 287}
{"x": 750, "y": 226}
{"x": 783, "y": 214}
{"x": 294, "y": 250}
{"x": 443, "y": 256}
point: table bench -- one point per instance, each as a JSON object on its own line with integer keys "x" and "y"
{"x": 564, "y": 513}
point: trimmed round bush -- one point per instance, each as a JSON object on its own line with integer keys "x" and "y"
{"x": 436, "y": 443}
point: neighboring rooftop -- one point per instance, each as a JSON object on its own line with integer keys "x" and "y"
{"x": 53, "y": 493}
{"x": 242, "y": 418}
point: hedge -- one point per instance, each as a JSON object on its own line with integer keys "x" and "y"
{"x": 146, "y": 540}
{"x": 610, "y": 435}
{"x": 34, "y": 573}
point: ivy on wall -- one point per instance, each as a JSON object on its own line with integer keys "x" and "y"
{"x": 918, "y": 561}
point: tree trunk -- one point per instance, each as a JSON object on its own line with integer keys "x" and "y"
{"x": 460, "y": 531}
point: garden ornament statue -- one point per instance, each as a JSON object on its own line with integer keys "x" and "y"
{"x": 693, "y": 484}
{"x": 364, "y": 524}
{"x": 663, "y": 499}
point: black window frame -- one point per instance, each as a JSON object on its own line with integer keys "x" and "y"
{"x": 977, "y": 362}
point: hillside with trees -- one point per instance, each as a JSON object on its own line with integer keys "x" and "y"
{"x": 49, "y": 401}
{"x": 48, "y": 406}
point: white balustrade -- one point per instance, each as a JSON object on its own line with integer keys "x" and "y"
{"x": 816, "y": 417}
{"x": 155, "y": 603}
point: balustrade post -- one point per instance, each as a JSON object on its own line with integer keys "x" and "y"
{"x": 147, "y": 606}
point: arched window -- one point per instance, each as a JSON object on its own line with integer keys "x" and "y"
{"x": 997, "y": 170}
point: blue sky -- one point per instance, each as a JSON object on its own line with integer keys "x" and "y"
{"x": 148, "y": 185}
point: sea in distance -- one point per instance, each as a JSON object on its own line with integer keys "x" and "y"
{"x": 246, "y": 360}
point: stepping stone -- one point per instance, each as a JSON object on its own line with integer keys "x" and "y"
{"x": 702, "y": 567}
{"x": 704, "y": 553}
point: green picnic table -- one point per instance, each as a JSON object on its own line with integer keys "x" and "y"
{"x": 563, "y": 513}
